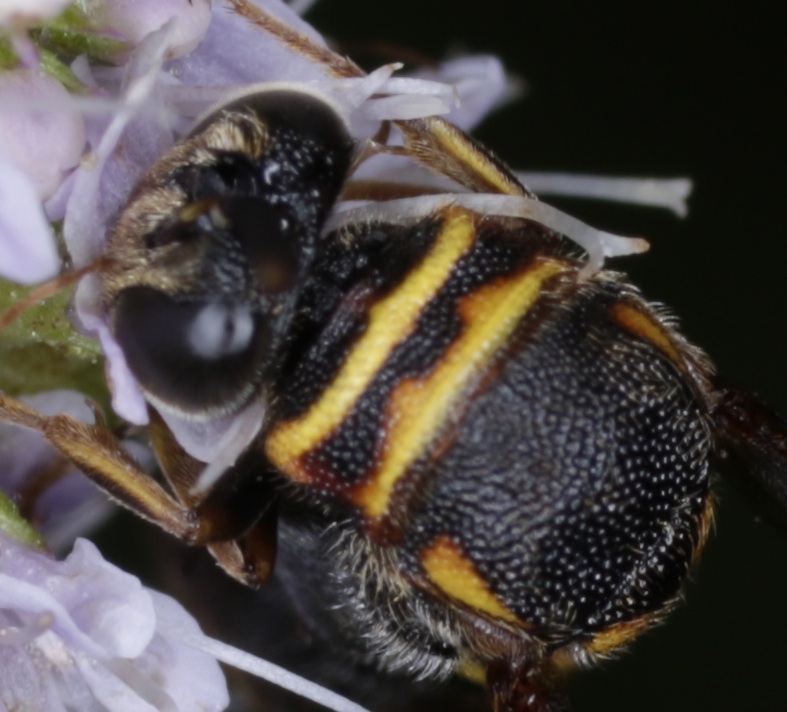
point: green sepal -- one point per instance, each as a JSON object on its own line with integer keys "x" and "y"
{"x": 13, "y": 523}
{"x": 41, "y": 350}
{"x": 71, "y": 34}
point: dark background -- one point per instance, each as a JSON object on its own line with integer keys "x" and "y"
{"x": 656, "y": 89}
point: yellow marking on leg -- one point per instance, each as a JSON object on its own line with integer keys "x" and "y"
{"x": 704, "y": 529}
{"x": 439, "y": 143}
{"x": 472, "y": 670}
{"x": 419, "y": 407}
{"x": 621, "y": 634}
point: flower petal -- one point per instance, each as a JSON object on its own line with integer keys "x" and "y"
{"x": 95, "y": 606}
{"x": 256, "y": 56}
{"x": 219, "y": 442}
{"x": 103, "y": 181}
{"x": 82, "y": 634}
{"x": 481, "y": 83}
{"x": 27, "y": 244}
{"x": 188, "y": 675}
{"x": 42, "y": 135}
{"x": 17, "y": 14}
{"x": 134, "y": 20}
{"x": 100, "y": 188}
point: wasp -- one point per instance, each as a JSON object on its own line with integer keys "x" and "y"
{"x": 487, "y": 460}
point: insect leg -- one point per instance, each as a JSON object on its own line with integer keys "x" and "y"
{"x": 238, "y": 515}
{"x": 235, "y": 520}
{"x": 522, "y": 686}
{"x": 95, "y": 450}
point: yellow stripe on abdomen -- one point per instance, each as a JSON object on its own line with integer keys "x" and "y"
{"x": 419, "y": 407}
{"x": 646, "y": 327}
{"x": 391, "y": 321}
{"x": 452, "y": 571}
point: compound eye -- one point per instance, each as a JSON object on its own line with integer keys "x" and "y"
{"x": 200, "y": 358}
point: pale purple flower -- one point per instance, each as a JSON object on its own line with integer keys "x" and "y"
{"x": 17, "y": 16}
{"x": 41, "y": 142}
{"x": 82, "y": 634}
{"x": 40, "y": 136}
{"x": 20, "y": 14}
{"x": 482, "y": 86}
{"x": 134, "y": 20}
{"x": 39, "y": 146}
{"x": 27, "y": 243}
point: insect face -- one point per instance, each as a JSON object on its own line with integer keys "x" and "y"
{"x": 209, "y": 256}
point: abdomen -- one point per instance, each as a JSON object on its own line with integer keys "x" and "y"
{"x": 521, "y": 449}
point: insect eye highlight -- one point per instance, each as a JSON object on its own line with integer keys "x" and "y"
{"x": 218, "y": 330}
